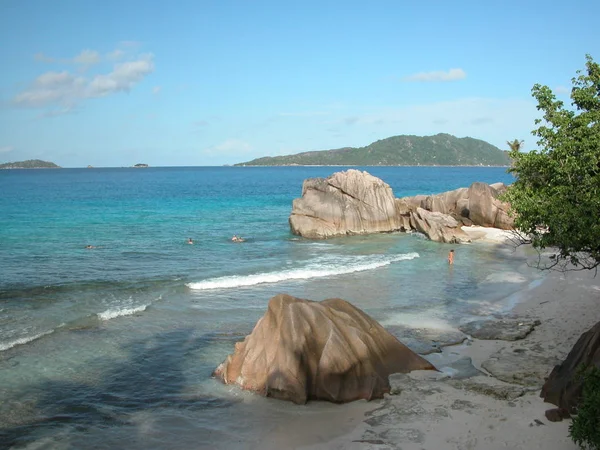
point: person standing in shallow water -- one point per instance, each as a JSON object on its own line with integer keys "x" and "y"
{"x": 451, "y": 257}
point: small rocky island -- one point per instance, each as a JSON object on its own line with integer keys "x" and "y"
{"x": 30, "y": 164}
{"x": 405, "y": 150}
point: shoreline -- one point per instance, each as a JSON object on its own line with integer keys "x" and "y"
{"x": 486, "y": 395}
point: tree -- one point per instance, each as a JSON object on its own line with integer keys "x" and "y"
{"x": 556, "y": 196}
{"x": 515, "y": 145}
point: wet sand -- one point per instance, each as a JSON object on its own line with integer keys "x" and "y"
{"x": 487, "y": 393}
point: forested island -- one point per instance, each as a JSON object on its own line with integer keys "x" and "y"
{"x": 404, "y": 150}
{"x": 30, "y": 164}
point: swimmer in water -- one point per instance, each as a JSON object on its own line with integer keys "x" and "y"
{"x": 190, "y": 241}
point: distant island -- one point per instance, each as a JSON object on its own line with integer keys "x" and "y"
{"x": 30, "y": 164}
{"x": 141, "y": 165}
{"x": 405, "y": 150}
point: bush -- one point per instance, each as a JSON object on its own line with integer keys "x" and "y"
{"x": 585, "y": 428}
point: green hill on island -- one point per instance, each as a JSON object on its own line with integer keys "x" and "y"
{"x": 29, "y": 164}
{"x": 439, "y": 150}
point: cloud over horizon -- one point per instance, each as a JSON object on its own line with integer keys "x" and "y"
{"x": 231, "y": 145}
{"x": 61, "y": 92}
{"x": 435, "y": 76}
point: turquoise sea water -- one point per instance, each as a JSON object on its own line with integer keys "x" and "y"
{"x": 113, "y": 347}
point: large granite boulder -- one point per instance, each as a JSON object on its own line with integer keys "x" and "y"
{"x": 563, "y": 387}
{"x": 477, "y": 205}
{"x": 350, "y": 202}
{"x": 438, "y": 227}
{"x": 355, "y": 202}
{"x": 330, "y": 350}
{"x": 485, "y": 209}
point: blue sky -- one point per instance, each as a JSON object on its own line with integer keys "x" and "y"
{"x": 219, "y": 82}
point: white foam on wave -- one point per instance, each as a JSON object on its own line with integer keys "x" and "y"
{"x": 323, "y": 268}
{"x": 118, "y": 312}
{"x": 23, "y": 340}
{"x": 423, "y": 320}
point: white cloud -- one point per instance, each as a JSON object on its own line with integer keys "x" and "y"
{"x": 562, "y": 90}
{"x": 41, "y": 57}
{"x": 236, "y": 146}
{"x": 491, "y": 119}
{"x": 60, "y": 88}
{"x": 115, "y": 55}
{"x": 62, "y": 91}
{"x": 90, "y": 57}
{"x": 451, "y": 75}
{"x": 122, "y": 78}
{"x": 87, "y": 58}
{"x": 6, "y": 149}
{"x": 156, "y": 89}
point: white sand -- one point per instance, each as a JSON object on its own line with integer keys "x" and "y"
{"x": 431, "y": 414}
{"x": 492, "y": 235}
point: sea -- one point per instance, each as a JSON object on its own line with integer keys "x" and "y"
{"x": 114, "y": 346}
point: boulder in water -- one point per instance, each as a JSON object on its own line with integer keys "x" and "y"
{"x": 302, "y": 350}
{"x": 350, "y": 202}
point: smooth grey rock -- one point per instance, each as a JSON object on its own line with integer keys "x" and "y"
{"x": 428, "y": 375}
{"x": 490, "y": 387}
{"x": 426, "y": 340}
{"x": 504, "y": 329}
{"x": 461, "y": 369}
{"x": 527, "y": 369}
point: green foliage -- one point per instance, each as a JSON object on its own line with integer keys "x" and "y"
{"x": 29, "y": 164}
{"x": 438, "y": 150}
{"x": 515, "y": 145}
{"x": 556, "y": 196}
{"x": 585, "y": 428}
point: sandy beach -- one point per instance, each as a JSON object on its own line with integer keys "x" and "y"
{"x": 487, "y": 393}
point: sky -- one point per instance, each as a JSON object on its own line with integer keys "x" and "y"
{"x": 202, "y": 83}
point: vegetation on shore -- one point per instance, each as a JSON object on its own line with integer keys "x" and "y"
{"x": 438, "y": 150}
{"x": 556, "y": 195}
{"x": 29, "y": 164}
{"x": 585, "y": 428}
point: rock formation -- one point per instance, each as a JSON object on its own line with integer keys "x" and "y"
{"x": 564, "y": 387}
{"x": 476, "y": 205}
{"x": 437, "y": 226}
{"x": 302, "y": 350}
{"x": 351, "y": 202}
{"x": 355, "y": 202}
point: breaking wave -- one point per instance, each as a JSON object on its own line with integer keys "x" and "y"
{"x": 315, "y": 270}
{"x": 118, "y": 312}
{"x": 23, "y": 340}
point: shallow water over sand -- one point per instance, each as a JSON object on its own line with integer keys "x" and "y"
{"x": 113, "y": 347}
